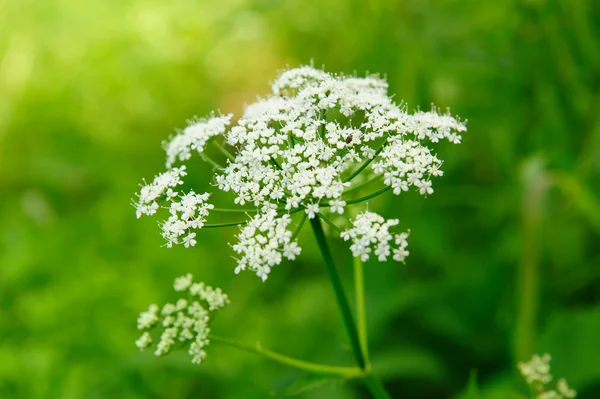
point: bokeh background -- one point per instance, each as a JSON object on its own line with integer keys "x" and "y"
{"x": 505, "y": 256}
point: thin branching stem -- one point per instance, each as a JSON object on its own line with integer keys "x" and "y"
{"x": 299, "y": 227}
{"x": 229, "y": 210}
{"x": 315, "y": 368}
{"x": 243, "y": 222}
{"x": 368, "y": 197}
{"x": 211, "y": 161}
{"x": 275, "y": 163}
{"x": 223, "y": 151}
{"x": 228, "y": 224}
{"x": 361, "y": 199}
{"x": 362, "y": 185}
{"x": 329, "y": 222}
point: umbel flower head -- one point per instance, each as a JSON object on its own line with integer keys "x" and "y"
{"x": 309, "y": 147}
{"x": 183, "y": 323}
{"x": 537, "y": 375}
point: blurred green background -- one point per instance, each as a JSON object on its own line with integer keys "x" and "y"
{"x": 505, "y": 256}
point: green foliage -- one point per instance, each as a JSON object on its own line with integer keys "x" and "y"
{"x": 88, "y": 90}
{"x": 472, "y": 391}
{"x": 572, "y": 338}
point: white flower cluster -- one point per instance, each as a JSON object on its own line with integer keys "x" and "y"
{"x": 191, "y": 210}
{"x": 537, "y": 374}
{"x": 263, "y": 242}
{"x": 536, "y": 370}
{"x": 188, "y": 213}
{"x": 184, "y": 322}
{"x": 372, "y": 230}
{"x": 194, "y": 137}
{"x": 161, "y": 187}
{"x": 298, "y": 150}
{"x": 407, "y": 163}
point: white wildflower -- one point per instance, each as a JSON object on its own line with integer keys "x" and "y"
{"x": 312, "y": 210}
{"x": 150, "y": 194}
{"x": 537, "y": 375}
{"x": 288, "y": 147}
{"x": 263, "y": 243}
{"x": 337, "y": 206}
{"x": 148, "y": 318}
{"x": 167, "y": 340}
{"x": 298, "y": 150}
{"x": 370, "y": 234}
{"x": 168, "y": 308}
{"x": 183, "y": 283}
{"x": 536, "y": 370}
{"x": 563, "y": 388}
{"x": 181, "y": 303}
{"x": 298, "y": 77}
{"x": 215, "y": 297}
{"x": 186, "y": 321}
{"x": 169, "y": 321}
{"x": 188, "y": 213}
{"x": 198, "y": 354}
{"x": 291, "y": 250}
{"x": 144, "y": 341}
{"x": 194, "y": 137}
{"x": 189, "y": 240}
{"x": 197, "y": 288}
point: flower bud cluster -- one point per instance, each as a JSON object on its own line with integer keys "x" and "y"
{"x": 537, "y": 375}
{"x": 183, "y": 323}
{"x": 370, "y": 234}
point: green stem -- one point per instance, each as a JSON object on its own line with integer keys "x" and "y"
{"x": 250, "y": 210}
{"x": 329, "y": 222}
{"x": 315, "y": 368}
{"x": 299, "y": 227}
{"x": 376, "y": 387}
{"x": 368, "y": 197}
{"x": 361, "y": 314}
{"x": 275, "y": 163}
{"x": 361, "y": 185}
{"x": 241, "y": 222}
{"x": 208, "y": 159}
{"x": 361, "y": 199}
{"x": 224, "y": 151}
{"x": 535, "y": 182}
{"x": 339, "y": 291}
{"x": 228, "y": 210}
{"x": 214, "y": 225}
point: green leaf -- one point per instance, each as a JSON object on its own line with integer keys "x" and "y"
{"x": 571, "y": 337}
{"x": 472, "y": 391}
{"x": 307, "y": 383}
{"x": 405, "y": 362}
